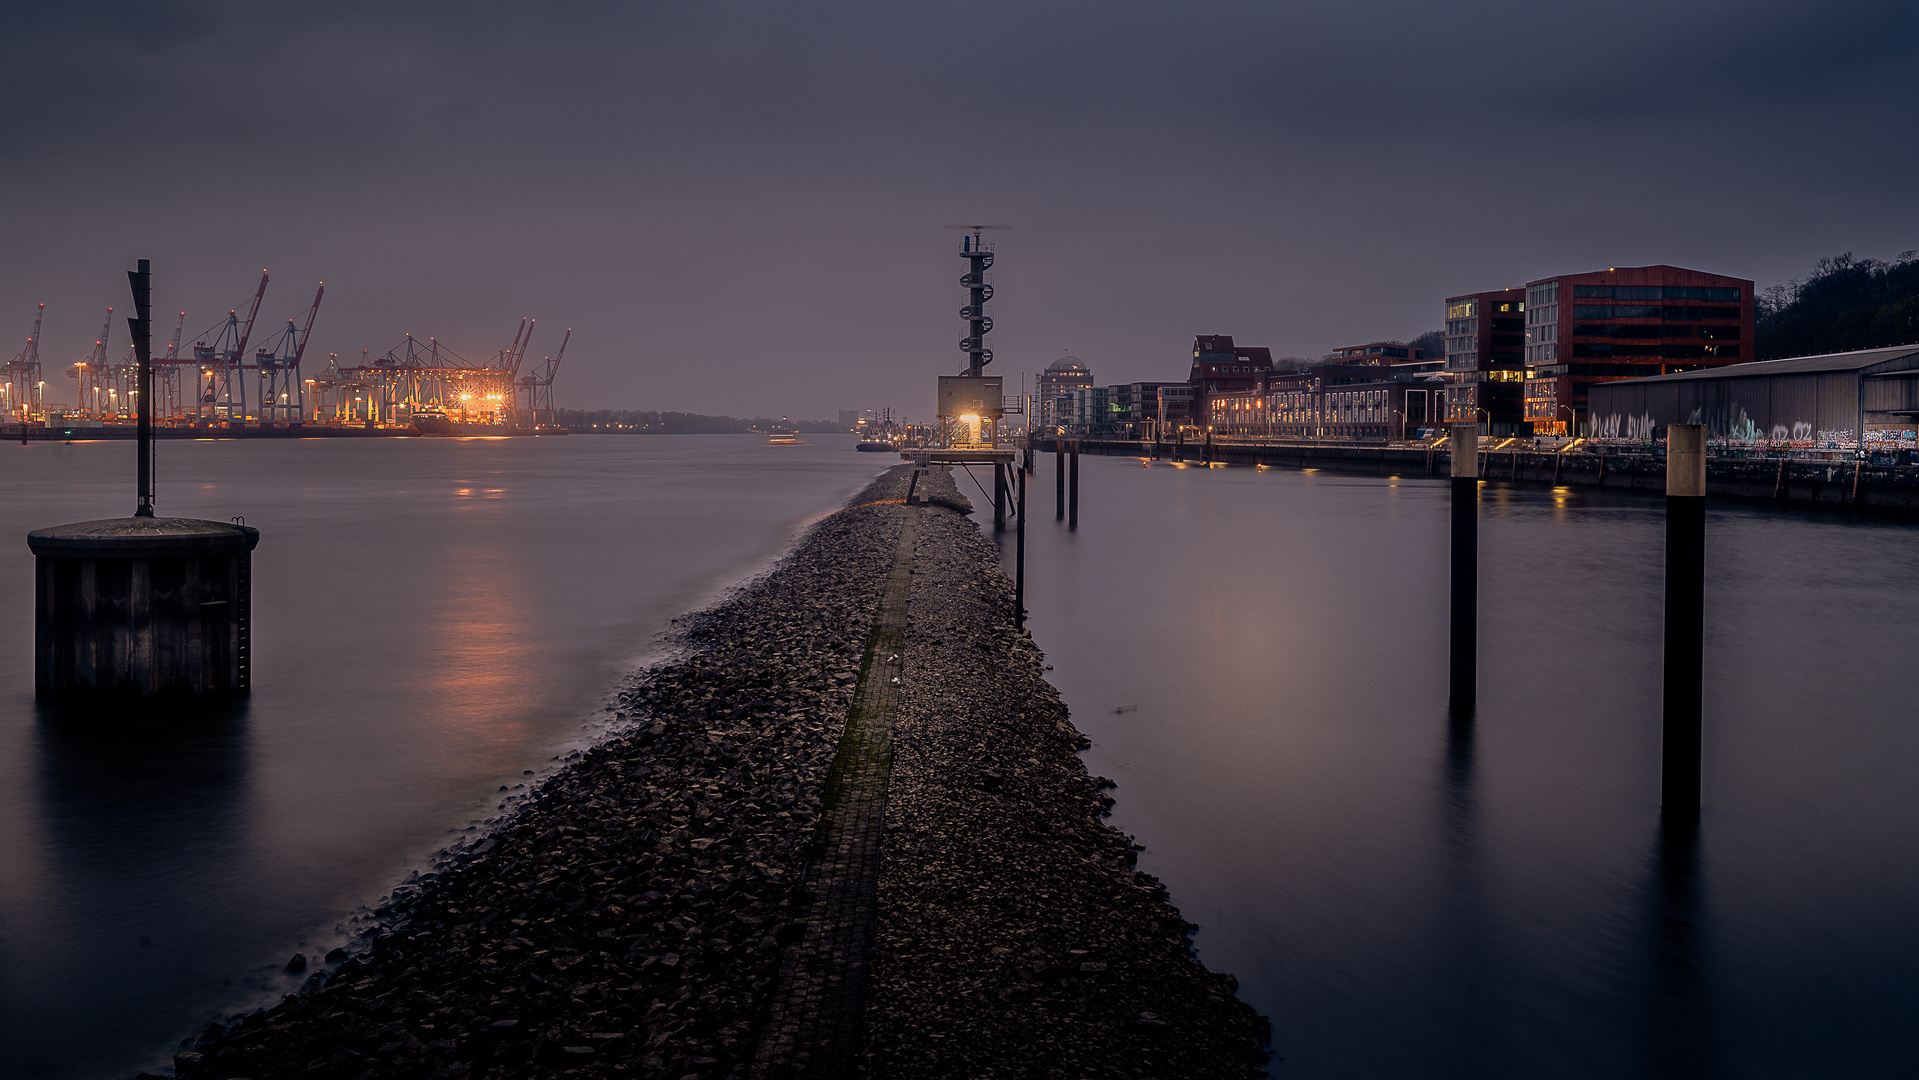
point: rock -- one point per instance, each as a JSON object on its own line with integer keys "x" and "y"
{"x": 297, "y": 964}
{"x": 625, "y": 913}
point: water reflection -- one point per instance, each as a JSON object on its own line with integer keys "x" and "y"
{"x": 135, "y": 800}
{"x": 1678, "y": 1021}
{"x": 1466, "y": 961}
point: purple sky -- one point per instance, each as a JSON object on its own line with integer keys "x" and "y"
{"x": 736, "y": 206}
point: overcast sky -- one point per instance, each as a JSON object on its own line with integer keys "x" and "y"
{"x": 737, "y": 206}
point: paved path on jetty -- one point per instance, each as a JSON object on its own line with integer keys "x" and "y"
{"x": 814, "y": 1023}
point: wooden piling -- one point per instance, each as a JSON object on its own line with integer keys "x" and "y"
{"x": 1019, "y": 559}
{"x": 1059, "y": 479}
{"x": 1465, "y": 563}
{"x": 1072, "y": 494}
{"x": 1685, "y": 616}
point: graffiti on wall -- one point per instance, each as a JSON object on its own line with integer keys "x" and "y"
{"x": 1734, "y": 430}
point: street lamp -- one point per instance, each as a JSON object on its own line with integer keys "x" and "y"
{"x": 1572, "y": 420}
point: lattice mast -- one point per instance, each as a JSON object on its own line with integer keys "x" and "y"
{"x": 978, "y": 323}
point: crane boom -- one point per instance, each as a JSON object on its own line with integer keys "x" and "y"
{"x": 33, "y": 343}
{"x": 240, "y": 348}
{"x": 554, "y": 367}
{"x": 506, "y": 359}
{"x": 173, "y": 347}
{"x": 99, "y": 354}
{"x": 301, "y": 349}
{"x": 519, "y": 353}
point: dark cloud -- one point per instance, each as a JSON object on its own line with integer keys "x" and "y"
{"x": 736, "y": 205}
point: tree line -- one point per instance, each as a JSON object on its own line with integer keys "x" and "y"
{"x": 1844, "y": 304}
{"x": 650, "y": 422}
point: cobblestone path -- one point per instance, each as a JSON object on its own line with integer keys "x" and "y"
{"x": 812, "y": 1030}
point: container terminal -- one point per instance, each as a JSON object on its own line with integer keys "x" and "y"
{"x": 230, "y": 384}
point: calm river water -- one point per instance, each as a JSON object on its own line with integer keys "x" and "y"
{"x": 1409, "y": 894}
{"x": 433, "y": 618}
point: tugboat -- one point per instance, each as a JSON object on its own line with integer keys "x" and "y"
{"x": 882, "y": 438}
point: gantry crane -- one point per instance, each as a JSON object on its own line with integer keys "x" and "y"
{"x": 538, "y": 384}
{"x": 22, "y": 389}
{"x": 91, "y": 371}
{"x": 282, "y": 395}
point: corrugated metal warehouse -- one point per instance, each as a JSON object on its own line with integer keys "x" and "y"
{"x": 1815, "y": 402}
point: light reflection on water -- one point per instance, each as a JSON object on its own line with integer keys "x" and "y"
{"x": 1411, "y": 893}
{"x": 432, "y": 617}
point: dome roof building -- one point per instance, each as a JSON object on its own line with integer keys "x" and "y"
{"x": 1062, "y": 376}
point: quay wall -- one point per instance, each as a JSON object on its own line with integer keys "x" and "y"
{"x": 1839, "y": 483}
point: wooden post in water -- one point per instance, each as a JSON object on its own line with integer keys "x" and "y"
{"x": 1019, "y": 559}
{"x": 1059, "y": 479}
{"x": 1685, "y": 616}
{"x": 1465, "y": 563}
{"x": 1072, "y": 493}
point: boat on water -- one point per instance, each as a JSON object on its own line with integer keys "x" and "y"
{"x": 784, "y": 437}
{"x": 433, "y": 420}
{"x": 875, "y": 446}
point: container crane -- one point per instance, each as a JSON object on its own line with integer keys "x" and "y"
{"x": 281, "y": 392}
{"x": 92, "y": 371}
{"x": 22, "y": 388}
{"x": 539, "y": 384}
{"x": 220, "y": 361}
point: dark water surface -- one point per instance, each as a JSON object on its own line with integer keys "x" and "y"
{"x": 433, "y": 617}
{"x": 1409, "y": 894}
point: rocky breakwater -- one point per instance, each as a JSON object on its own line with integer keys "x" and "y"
{"x": 627, "y": 920}
{"x": 630, "y": 918}
{"x": 1014, "y": 937}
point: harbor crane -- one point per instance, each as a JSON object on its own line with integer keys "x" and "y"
{"x": 222, "y": 360}
{"x": 91, "y": 372}
{"x": 538, "y": 384}
{"x": 22, "y": 387}
{"x": 282, "y": 394}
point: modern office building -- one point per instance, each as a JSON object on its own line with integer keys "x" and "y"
{"x": 1062, "y": 376}
{"x": 1486, "y": 359}
{"x": 1621, "y": 323}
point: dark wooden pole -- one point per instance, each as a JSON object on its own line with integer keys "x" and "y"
{"x": 1059, "y": 479}
{"x": 1465, "y": 563}
{"x": 142, "y": 323}
{"x": 1685, "y": 616}
{"x": 1072, "y": 493}
{"x": 1019, "y": 559}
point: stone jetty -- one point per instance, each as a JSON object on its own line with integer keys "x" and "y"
{"x": 846, "y": 834}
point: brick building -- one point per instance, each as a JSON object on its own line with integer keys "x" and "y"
{"x": 1623, "y": 323}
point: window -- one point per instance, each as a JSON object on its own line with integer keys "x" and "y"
{"x": 1654, "y": 292}
{"x": 1464, "y": 309}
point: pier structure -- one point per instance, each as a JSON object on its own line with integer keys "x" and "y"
{"x": 143, "y": 605}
